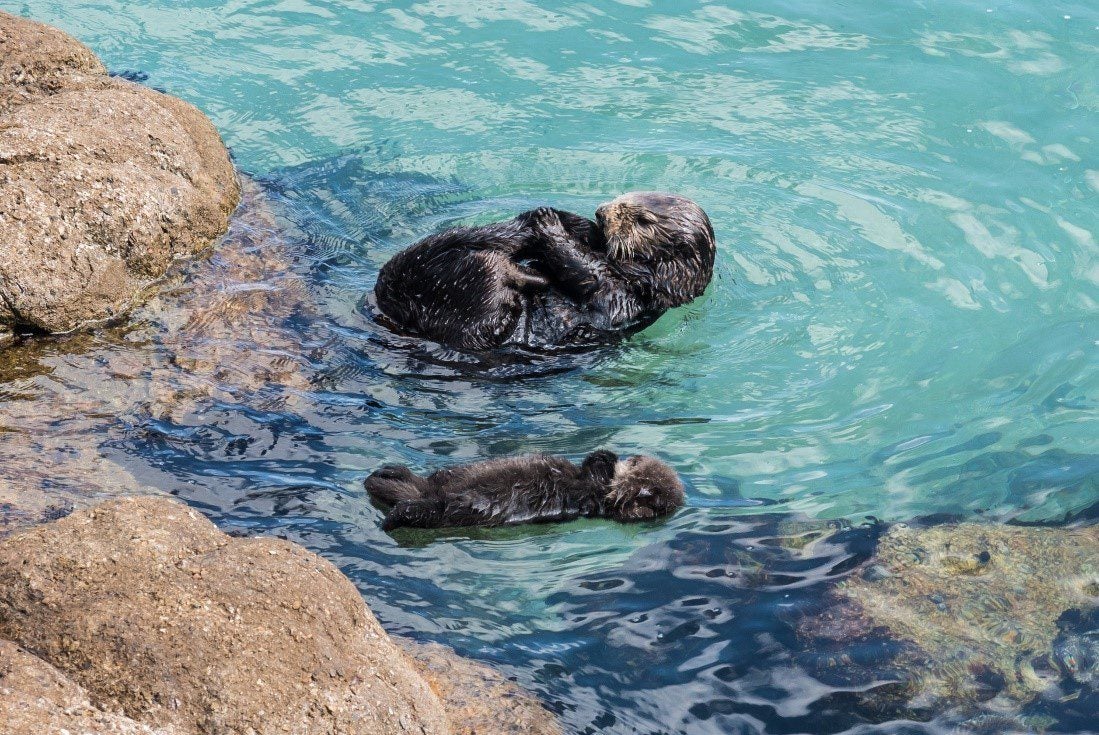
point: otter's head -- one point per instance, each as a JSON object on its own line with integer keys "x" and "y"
{"x": 644, "y": 224}
{"x": 638, "y": 489}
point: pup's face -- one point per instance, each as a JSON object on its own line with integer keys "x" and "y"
{"x": 638, "y": 224}
{"x": 643, "y": 488}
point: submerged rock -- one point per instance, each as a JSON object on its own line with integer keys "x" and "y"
{"x": 224, "y": 331}
{"x": 146, "y": 606}
{"x": 103, "y": 183}
{"x": 1076, "y": 657}
{"x": 1076, "y": 648}
{"x": 222, "y": 328}
{"x": 975, "y": 609}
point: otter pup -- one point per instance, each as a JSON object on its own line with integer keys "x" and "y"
{"x": 536, "y": 488}
{"x": 550, "y": 278}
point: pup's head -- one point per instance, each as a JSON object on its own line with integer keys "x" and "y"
{"x": 638, "y": 489}
{"x": 643, "y": 224}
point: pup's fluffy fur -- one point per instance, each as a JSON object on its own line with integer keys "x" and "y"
{"x": 535, "y": 488}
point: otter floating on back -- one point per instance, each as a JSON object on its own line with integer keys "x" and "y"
{"x": 550, "y": 278}
{"x": 536, "y": 488}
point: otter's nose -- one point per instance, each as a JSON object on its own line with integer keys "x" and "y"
{"x": 601, "y": 215}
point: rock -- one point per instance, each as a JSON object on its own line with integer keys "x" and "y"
{"x": 154, "y": 612}
{"x": 37, "y": 699}
{"x": 1076, "y": 656}
{"x": 221, "y": 328}
{"x": 37, "y": 60}
{"x": 103, "y": 183}
{"x": 226, "y": 331}
{"x": 478, "y": 700}
{"x": 1076, "y": 648}
{"x": 169, "y": 626}
{"x": 972, "y": 610}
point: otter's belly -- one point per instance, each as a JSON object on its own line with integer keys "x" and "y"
{"x": 553, "y": 321}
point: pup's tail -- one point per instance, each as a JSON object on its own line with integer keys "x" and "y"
{"x": 391, "y": 484}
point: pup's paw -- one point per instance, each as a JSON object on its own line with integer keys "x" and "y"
{"x": 392, "y": 472}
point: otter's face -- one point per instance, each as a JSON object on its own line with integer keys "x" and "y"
{"x": 643, "y": 488}
{"x": 638, "y": 224}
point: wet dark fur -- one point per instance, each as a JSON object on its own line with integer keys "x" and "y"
{"x": 468, "y": 287}
{"x": 536, "y": 488}
{"x": 550, "y": 278}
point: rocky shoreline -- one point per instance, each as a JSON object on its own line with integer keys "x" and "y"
{"x": 137, "y": 615}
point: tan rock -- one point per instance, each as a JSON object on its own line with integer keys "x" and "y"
{"x": 218, "y": 329}
{"x": 103, "y": 183}
{"x": 225, "y": 331}
{"x": 37, "y": 699}
{"x": 477, "y": 698}
{"x": 156, "y": 613}
{"x": 37, "y": 60}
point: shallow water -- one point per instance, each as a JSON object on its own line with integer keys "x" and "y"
{"x": 903, "y": 321}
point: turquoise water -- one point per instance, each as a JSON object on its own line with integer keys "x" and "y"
{"x": 904, "y": 319}
{"x": 904, "y": 315}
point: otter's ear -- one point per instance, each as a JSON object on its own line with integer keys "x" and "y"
{"x": 600, "y": 465}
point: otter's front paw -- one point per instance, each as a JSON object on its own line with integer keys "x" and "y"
{"x": 600, "y": 465}
{"x": 545, "y": 218}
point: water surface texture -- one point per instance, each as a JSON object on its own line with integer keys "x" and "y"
{"x": 903, "y": 320}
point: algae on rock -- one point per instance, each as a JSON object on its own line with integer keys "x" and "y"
{"x": 975, "y": 607}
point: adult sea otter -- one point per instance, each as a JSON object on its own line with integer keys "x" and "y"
{"x": 551, "y": 279}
